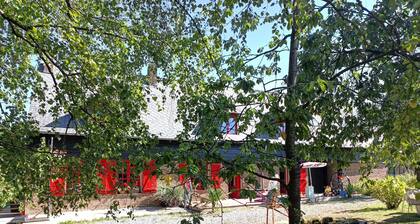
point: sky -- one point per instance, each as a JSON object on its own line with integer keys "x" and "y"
{"x": 262, "y": 35}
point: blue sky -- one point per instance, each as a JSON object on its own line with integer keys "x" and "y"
{"x": 261, "y": 37}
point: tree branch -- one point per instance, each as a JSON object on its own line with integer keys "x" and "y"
{"x": 201, "y": 35}
{"x": 270, "y": 50}
{"x": 360, "y": 63}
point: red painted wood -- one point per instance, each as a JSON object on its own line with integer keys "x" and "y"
{"x": 182, "y": 167}
{"x": 302, "y": 181}
{"x": 108, "y": 176}
{"x": 235, "y": 187}
{"x": 214, "y": 174}
{"x": 149, "y": 183}
{"x": 57, "y": 187}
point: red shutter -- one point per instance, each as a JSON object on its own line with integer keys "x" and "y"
{"x": 214, "y": 172}
{"x": 149, "y": 181}
{"x": 57, "y": 187}
{"x": 235, "y": 187}
{"x": 302, "y": 180}
{"x": 108, "y": 176}
{"x": 182, "y": 167}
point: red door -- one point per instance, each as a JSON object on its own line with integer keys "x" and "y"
{"x": 302, "y": 180}
{"x": 108, "y": 176}
{"x": 214, "y": 173}
{"x": 235, "y": 187}
{"x": 149, "y": 183}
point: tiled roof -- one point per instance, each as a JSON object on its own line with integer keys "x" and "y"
{"x": 160, "y": 115}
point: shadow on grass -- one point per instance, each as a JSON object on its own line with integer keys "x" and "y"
{"x": 385, "y": 215}
{"x": 400, "y": 217}
{"x": 371, "y": 209}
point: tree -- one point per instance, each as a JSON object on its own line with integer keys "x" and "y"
{"x": 94, "y": 53}
{"x": 347, "y": 68}
{"x": 351, "y": 69}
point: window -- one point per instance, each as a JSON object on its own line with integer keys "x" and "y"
{"x": 124, "y": 176}
{"x": 230, "y": 127}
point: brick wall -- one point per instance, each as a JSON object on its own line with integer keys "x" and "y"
{"x": 105, "y": 201}
{"x": 353, "y": 172}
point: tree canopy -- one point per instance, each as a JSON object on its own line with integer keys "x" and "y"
{"x": 351, "y": 86}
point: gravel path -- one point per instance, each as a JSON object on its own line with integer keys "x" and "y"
{"x": 253, "y": 215}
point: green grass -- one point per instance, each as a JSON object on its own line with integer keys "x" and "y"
{"x": 380, "y": 214}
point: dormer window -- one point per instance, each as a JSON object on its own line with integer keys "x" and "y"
{"x": 230, "y": 127}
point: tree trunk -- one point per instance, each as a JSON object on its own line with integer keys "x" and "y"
{"x": 331, "y": 169}
{"x": 293, "y": 189}
{"x": 417, "y": 169}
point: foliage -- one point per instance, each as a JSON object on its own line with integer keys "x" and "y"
{"x": 170, "y": 196}
{"x": 350, "y": 190}
{"x": 195, "y": 219}
{"x": 364, "y": 186}
{"x": 354, "y": 80}
{"x": 93, "y": 55}
{"x": 409, "y": 179}
{"x": 6, "y": 193}
{"x": 215, "y": 195}
{"x": 390, "y": 191}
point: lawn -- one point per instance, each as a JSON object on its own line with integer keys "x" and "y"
{"x": 378, "y": 213}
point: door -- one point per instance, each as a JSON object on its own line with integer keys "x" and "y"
{"x": 235, "y": 187}
{"x": 303, "y": 181}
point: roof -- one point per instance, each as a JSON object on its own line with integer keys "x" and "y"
{"x": 160, "y": 115}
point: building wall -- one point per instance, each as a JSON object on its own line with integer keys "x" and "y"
{"x": 353, "y": 172}
{"x": 105, "y": 201}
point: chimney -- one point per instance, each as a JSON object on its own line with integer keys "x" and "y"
{"x": 152, "y": 73}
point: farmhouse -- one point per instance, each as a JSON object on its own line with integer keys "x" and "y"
{"x": 61, "y": 135}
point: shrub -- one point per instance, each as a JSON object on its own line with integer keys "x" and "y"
{"x": 170, "y": 196}
{"x": 390, "y": 191}
{"x": 409, "y": 179}
{"x": 364, "y": 186}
